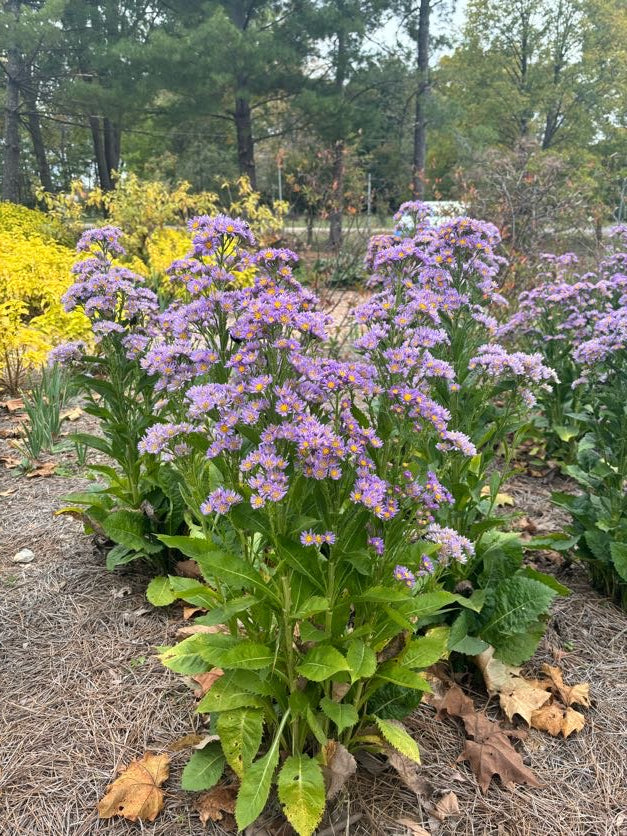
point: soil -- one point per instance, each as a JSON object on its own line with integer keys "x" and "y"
{"x": 82, "y": 693}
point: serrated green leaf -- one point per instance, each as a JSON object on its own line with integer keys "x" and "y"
{"x": 397, "y": 736}
{"x": 248, "y": 655}
{"x": 119, "y": 555}
{"x": 303, "y": 560}
{"x": 518, "y": 603}
{"x": 234, "y": 572}
{"x": 256, "y": 781}
{"x": 343, "y": 715}
{"x": 240, "y": 733}
{"x": 313, "y": 605}
{"x": 314, "y": 725}
{"x": 192, "y": 547}
{"x": 400, "y": 675}
{"x": 159, "y": 592}
{"x": 322, "y": 663}
{"x": 382, "y": 594}
{"x": 203, "y": 769}
{"x": 185, "y": 657}
{"x": 220, "y": 615}
{"x": 619, "y": 558}
{"x": 361, "y": 659}
{"x": 547, "y": 580}
{"x": 129, "y": 528}
{"x": 427, "y": 650}
{"x": 517, "y": 649}
{"x": 227, "y": 694}
{"x": 302, "y": 794}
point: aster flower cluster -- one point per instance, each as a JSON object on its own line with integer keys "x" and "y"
{"x": 112, "y": 296}
{"x": 243, "y": 369}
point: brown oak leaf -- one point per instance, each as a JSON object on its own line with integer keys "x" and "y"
{"x": 136, "y": 794}
{"x": 212, "y": 805}
{"x": 413, "y": 827}
{"x": 569, "y": 694}
{"x": 516, "y": 694}
{"x": 45, "y": 469}
{"x": 556, "y": 719}
{"x": 488, "y": 747}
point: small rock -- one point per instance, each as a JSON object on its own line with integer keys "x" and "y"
{"x": 23, "y": 556}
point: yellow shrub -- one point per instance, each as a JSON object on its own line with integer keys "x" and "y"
{"x": 34, "y": 275}
{"x": 19, "y": 219}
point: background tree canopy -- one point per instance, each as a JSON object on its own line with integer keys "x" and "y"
{"x": 204, "y": 90}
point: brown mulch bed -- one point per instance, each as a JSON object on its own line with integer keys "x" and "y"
{"x": 81, "y": 693}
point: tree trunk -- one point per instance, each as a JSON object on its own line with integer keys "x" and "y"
{"x": 337, "y": 189}
{"x": 112, "y": 136}
{"x": 99, "y": 153}
{"x": 11, "y": 170}
{"x": 245, "y": 143}
{"x": 422, "y": 95}
{"x": 337, "y": 197}
{"x": 34, "y": 128}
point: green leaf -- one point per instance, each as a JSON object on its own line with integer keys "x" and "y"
{"x": 256, "y": 781}
{"x": 235, "y": 572}
{"x": 558, "y": 541}
{"x": 427, "y": 603}
{"x": 314, "y": 725}
{"x": 322, "y": 663}
{"x": 398, "y": 738}
{"x": 470, "y": 646}
{"x": 194, "y": 592}
{"x": 302, "y": 559}
{"x": 203, "y": 769}
{"x": 129, "y": 528}
{"x": 240, "y": 735}
{"x": 518, "y": 603}
{"x": 93, "y": 441}
{"x": 313, "y": 605}
{"x": 565, "y": 433}
{"x": 619, "y": 558}
{"x": 547, "y": 580}
{"x": 427, "y": 650}
{"x": 220, "y": 615}
{"x": 119, "y": 555}
{"x": 248, "y": 655}
{"x": 226, "y": 694}
{"x": 398, "y": 674}
{"x": 192, "y": 547}
{"x": 515, "y": 650}
{"x": 159, "y": 592}
{"x": 361, "y": 659}
{"x": 302, "y": 794}
{"x": 343, "y": 715}
{"x": 382, "y": 594}
{"x": 186, "y": 657}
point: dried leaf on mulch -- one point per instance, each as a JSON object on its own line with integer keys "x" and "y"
{"x": 212, "y": 805}
{"x": 13, "y": 404}
{"x": 136, "y": 794}
{"x": 45, "y": 469}
{"x": 10, "y": 462}
{"x": 413, "y": 827}
{"x": 338, "y": 765}
{"x": 188, "y": 569}
{"x": 204, "y": 681}
{"x": 545, "y": 704}
{"x": 488, "y": 748}
{"x": 437, "y": 803}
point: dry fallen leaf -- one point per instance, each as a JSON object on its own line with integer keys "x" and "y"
{"x": 555, "y": 719}
{"x": 438, "y": 804}
{"x": 190, "y": 612}
{"x": 188, "y": 741}
{"x": 16, "y": 431}
{"x": 206, "y": 680}
{"x": 136, "y": 794}
{"x": 490, "y": 751}
{"x": 192, "y": 629}
{"x": 569, "y": 694}
{"x": 413, "y": 827}
{"x": 72, "y": 414}
{"x": 8, "y": 492}
{"x": 337, "y": 766}
{"x": 10, "y": 462}
{"x": 500, "y": 499}
{"x": 212, "y": 805}
{"x": 516, "y": 694}
{"x": 188, "y": 569}
{"x": 13, "y": 404}
{"x": 45, "y": 469}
